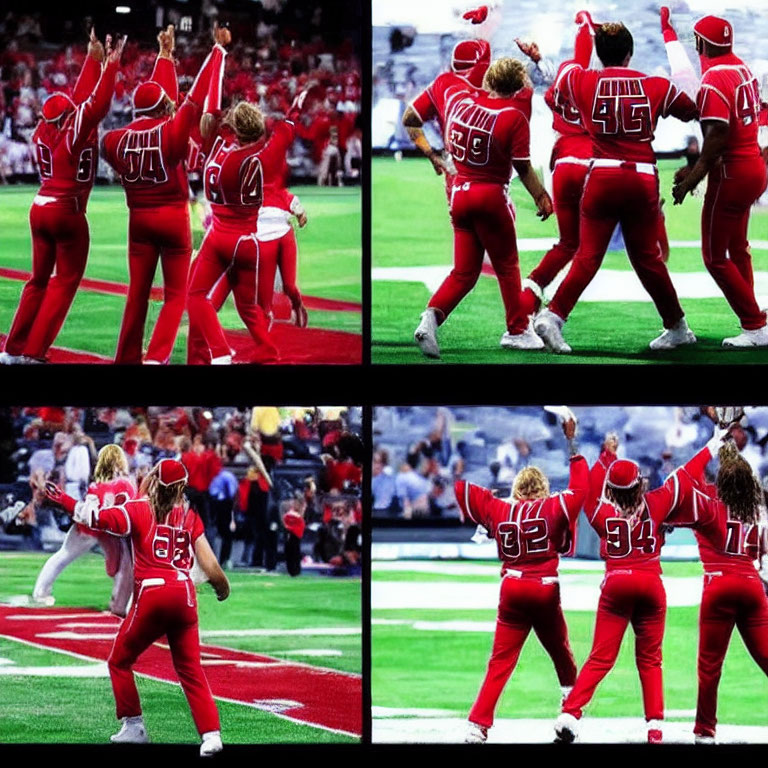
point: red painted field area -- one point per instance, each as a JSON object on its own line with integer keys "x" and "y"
{"x": 316, "y": 696}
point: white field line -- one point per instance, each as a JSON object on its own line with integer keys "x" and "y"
{"x": 87, "y": 670}
{"x": 308, "y": 631}
{"x": 612, "y": 285}
{"x": 579, "y": 592}
{"x": 428, "y": 729}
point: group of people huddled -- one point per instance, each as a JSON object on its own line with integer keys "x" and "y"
{"x": 604, "y": 175}
{"x": 235, "y": 464}
{"x": 534, "y": 527}
{"x": 242, "y": 161}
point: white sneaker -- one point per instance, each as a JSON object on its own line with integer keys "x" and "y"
{"x": 132, "y": 732}
{"x": 566, "y": 729}
{"x": 7, "y": 359}
{"x": 223, "y": 360}
{"x": 475, "y": 734}
{"x": 756, "y": 338}
{"x": 697, "y": 739}
{"x": 47, "y": 601}
{"x": 152, "y": 362}
{"x": 549, "y": 327}
{"x": 426, "y": 334}
{"x": 525, "y": 340}
{"x": 675, "y": 336}
{"x": 211, "y": 744}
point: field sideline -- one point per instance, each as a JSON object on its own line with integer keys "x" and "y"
{"x": 411, "y": 230}
{"x": 430, "y": 650}
{"x": 329, "y": 265}
{"x": 271, "y": 627}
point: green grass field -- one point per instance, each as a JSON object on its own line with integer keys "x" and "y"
{"x": 411, "y": 228}
{"x": 425, "y": 669}
{"x": 81, "y": 710}
{"x": 329, "y": 264}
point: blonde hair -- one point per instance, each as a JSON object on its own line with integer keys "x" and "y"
{"x": 247, "y": 121}
{"x": 111, "y": 463}
{"x": 162, "y": 498}
{"x": 737, "y": 487}
{"x": 530, "y": 483}
{"x": 505, "y": 76}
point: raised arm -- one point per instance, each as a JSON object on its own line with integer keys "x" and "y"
{"x": 209, "y": 122}
{"x": 475, "y": 504}
{"x": 180, "y": 126}
{"x": 89, "y": 74}
{"x": 207, "y": 561}
{"x": 681, "y": 70}
{"x": 164, "y": 71}
{"x": 89, "y": 114}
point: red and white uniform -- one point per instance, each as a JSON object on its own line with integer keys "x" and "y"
{"x": 729, "y": 93}
{"x": 148, "y": 155}
{"x": 619, "y": 108}
{"x": 164, "y": 603}
{"x": 81, "y": 539}
{"x": 277, "y": 250}
{"x": 234, "y": 179}
{"x": 67, "y": 157}
{"x": 484, "y": 135}
{"x": 631, "y": 591}
{"x": 733, "y": 594}
{"x": 570, "y": 161}
{"x": 530, "y": 536}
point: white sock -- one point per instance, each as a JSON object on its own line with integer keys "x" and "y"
{"x": 211, "y": 734}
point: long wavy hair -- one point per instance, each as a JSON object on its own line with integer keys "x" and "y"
{"x": 110, "y": 463}
{"x": 626, "y": 500}
{"x": 737, "y": 486}
{"x": 162, "y": 498}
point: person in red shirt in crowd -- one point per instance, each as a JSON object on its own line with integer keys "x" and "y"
{"x": 148, "y": 156}
{"x": 725, "y": 517}
{"x": 65, "y": 141}
{"x": 343, "y": 465}
{"x": 531, "y": 530}
{"x": 729, "y": 110}
{"x": 166, "y": 537}
{"x": 236, "y": 167}
{"x": 619, "y": 107}
{"x": 111, "y": 484}
{"x": 202, "y": 465}
{"x": 487, "y": 134}
{"x": 631, "y": 525}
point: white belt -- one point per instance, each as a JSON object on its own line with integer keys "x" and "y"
{"x": 715, "y": 573}
{"x": 573, "y": 161}
{"x": 629, "y": 165}
{"x": 519, "y": 575}
{"x": 44, "y": 199}
{"x": 152, "y": 583}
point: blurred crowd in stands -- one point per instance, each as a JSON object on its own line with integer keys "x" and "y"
{"x": 279, "y": 48}
{"x": 275, "y": 487}
{"x": 419, "y": 451}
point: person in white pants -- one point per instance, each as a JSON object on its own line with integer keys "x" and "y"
{"x": 110, "y": 481}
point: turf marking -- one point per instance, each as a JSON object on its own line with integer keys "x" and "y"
{"x": 609, "y": 285}
{"x": 327, "y": 698}
{"x": 425, "y": 729}
{"x": 88, "y": 670}
{"x": 327, "y": 631}
{"x": 579, "y": 592}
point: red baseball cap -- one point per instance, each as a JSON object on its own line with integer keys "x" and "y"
{"x": 55, "y": 106}
{"x": 714, "y": 30}
{"x": 467, "y": 53}
{"x": 623, "y": 473}
{"x": 147, "y": 96}
{"x": 171, "y": 471}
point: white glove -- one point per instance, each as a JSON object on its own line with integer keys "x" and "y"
{"x": 87, "y": 512}
{"x": 716, "y": 441}
{"x": 480, "y": 535}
